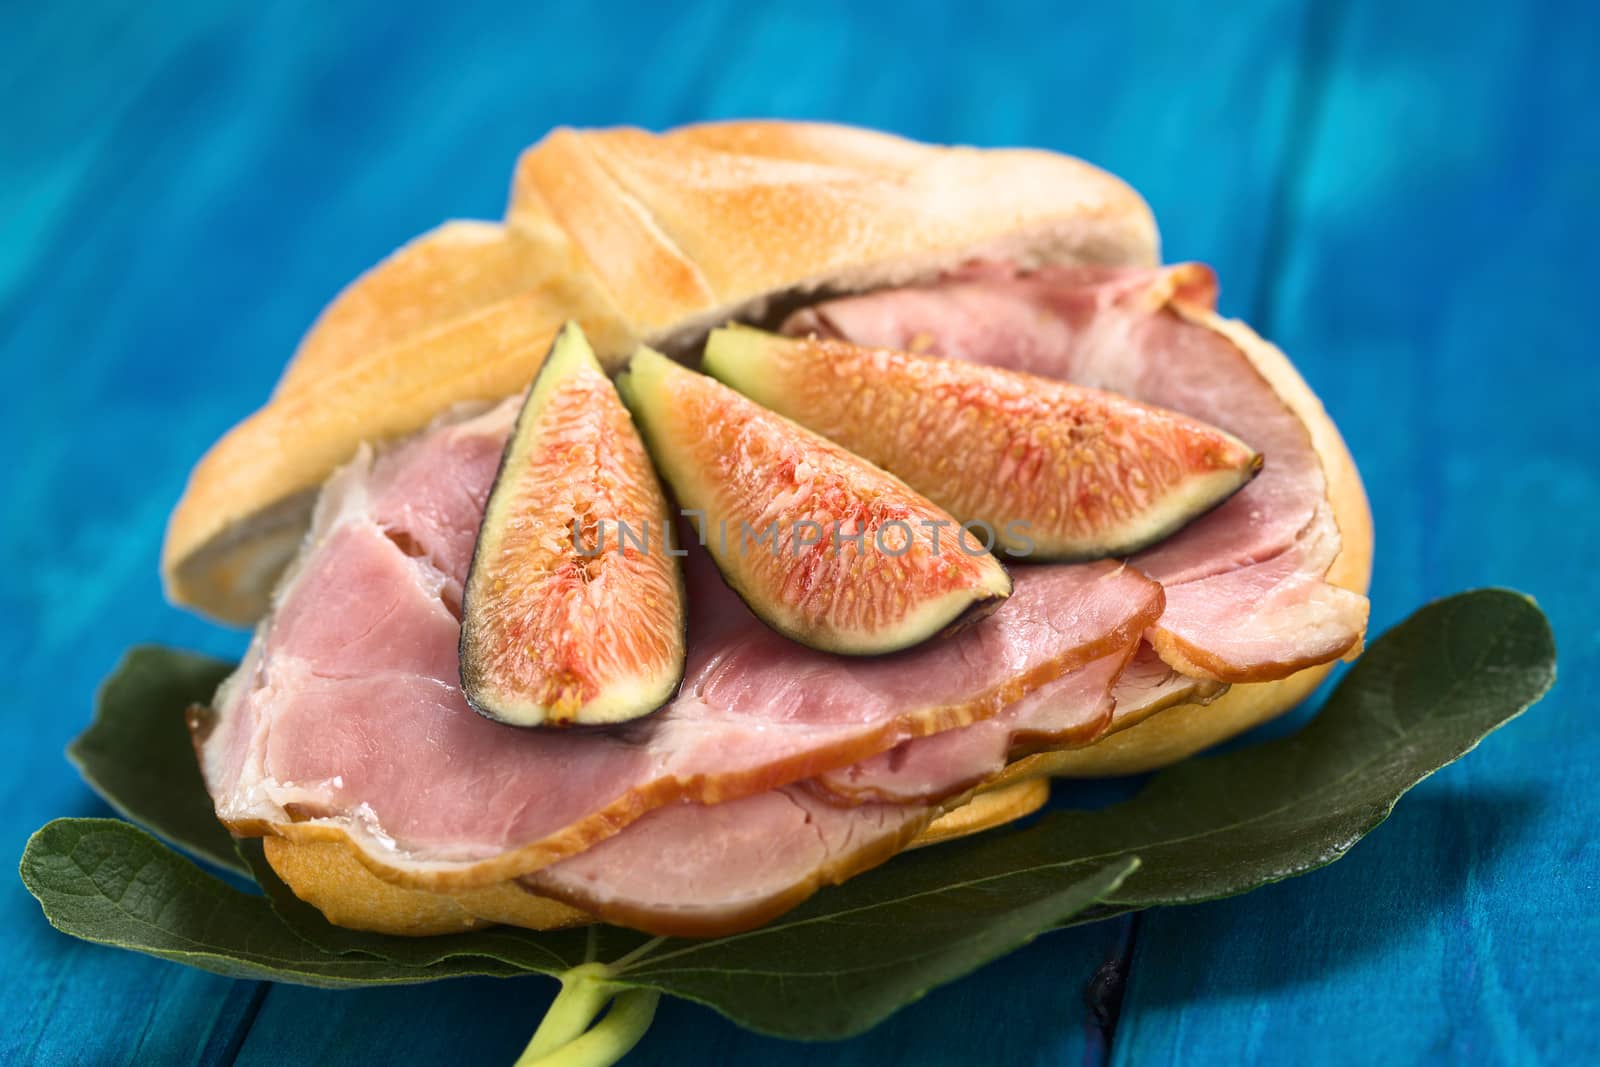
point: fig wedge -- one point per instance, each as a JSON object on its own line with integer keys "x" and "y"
{"x": 826, "y": 548}
{"x": 1058, "y": 471}
{"x": 573, "y": 609}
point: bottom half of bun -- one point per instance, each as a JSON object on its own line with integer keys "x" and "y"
{"x": 327, "y": 875}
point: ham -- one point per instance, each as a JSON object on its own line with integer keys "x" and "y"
{"x": 1071, "y": 711}
{"x": 347, "y": 714}
{"x": 1127, "y": 331}
{"x": 1112, "y": 693}
{"x": 690, "y": 870}
{"x": 1149, "y": 684}
{"x": 693, "y": 871}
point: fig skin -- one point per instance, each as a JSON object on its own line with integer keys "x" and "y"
{"x": 858, "y": 563}
{"x": 1060, "y": 472}
{"x": 564, "y": 621}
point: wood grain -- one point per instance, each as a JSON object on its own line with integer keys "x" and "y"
{"x": 1408, "y": 204}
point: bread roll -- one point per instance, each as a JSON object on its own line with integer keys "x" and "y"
{"x": 656, "y": 239}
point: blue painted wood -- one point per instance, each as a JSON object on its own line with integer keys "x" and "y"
{"x": 182, "y": 190}
{"x": 96, "y": 324}
{"x": 1435, "y": 288}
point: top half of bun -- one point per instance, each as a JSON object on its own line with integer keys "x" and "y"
{"x": 641, "y": 238}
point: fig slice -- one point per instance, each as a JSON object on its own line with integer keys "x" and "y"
{"x": 573, "y": 608}
{"x": 1057, "y": 471}
{"x": 826, "y": 548}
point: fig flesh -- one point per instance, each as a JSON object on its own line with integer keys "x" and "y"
{"x": 573, "y": 609}
{"x": 826, "y": 548}
{"x": 1057, "y": 471}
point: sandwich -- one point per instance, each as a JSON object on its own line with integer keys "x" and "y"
{"x": 877, "y": 321}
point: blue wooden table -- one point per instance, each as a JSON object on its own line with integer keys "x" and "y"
{"x": 1405, "y": 196}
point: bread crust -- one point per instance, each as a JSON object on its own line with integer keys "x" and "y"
{"x": 709, "y": 222}
{"x": 248, "y": 501}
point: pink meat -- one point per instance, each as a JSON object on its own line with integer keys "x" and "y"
{"x": 1148, "y": 685}
{"x": 1246, "y": 614}
{"x": 1113, "y": 692}
{"x": 1117, "y": 330}
{"x": 690, "y": 871}
{"x": 348, "y": 709}
{"x": 1073, "y": 710}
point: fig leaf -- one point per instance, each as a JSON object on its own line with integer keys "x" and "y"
{"x": 1422, "y": 696}
{"x": 525, "y": 950}
{"x": 137, "y": 754}
{"x": 109, "y": 882}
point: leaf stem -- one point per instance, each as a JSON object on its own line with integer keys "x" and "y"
{"x": 584, "y": 992}
{"x": 611, "y": 1039}
{"x": 622, "y": 963}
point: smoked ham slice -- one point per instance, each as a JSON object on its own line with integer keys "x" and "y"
{"x": 1149, "y": 684}
{"x": 1112, "y": 693}
{"x": 697, "y": 871}
{"x": 692, "y": 870}
{"x": 1070, "y": 711}
{"x": 347, "y": 717}
{"x": 1246, "y": 599}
